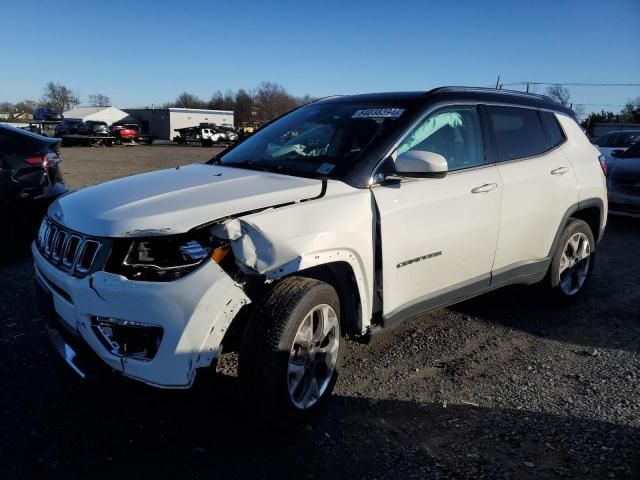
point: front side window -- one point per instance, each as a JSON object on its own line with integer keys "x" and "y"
{"x": 518, "y": 132}
{"x": 317, "y": 140}
{"x": 453, "y": 133}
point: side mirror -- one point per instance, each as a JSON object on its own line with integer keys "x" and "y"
{"x": 415, "y": 163}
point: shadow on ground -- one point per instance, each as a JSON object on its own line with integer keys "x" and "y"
{"x": 55, "y": 426}
{"x": 605, "y": 316}
{"x": 78, "y": 430}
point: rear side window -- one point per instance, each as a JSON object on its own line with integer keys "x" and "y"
{"x": 518, "y": 132}
{"x": 554, "y": 130}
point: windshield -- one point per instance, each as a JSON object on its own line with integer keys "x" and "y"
{"x": 318, "y": 140}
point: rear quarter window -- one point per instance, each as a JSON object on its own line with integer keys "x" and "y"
{"x": 518, "y": 132}
{"x": 553, "y": 128}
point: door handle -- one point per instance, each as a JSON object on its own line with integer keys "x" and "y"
{"x": 487, "y": 187}
{"x": 559, "y": 171}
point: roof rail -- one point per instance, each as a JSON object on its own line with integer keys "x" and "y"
{"x": 493, "y": 91}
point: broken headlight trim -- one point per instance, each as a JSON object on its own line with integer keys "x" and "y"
{"x": 125, "y": 338}
{"x": 164, "y": 259}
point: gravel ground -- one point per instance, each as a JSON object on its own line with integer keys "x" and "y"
{"x": 504, "y": 386}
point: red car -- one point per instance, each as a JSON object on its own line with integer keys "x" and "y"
{"x": 128, "y": 132}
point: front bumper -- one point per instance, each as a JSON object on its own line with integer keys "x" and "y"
{"x": 194, "y": 313}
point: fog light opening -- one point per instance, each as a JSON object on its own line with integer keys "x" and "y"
{"x": 125, "y": 338}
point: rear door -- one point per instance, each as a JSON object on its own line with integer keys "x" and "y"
{"x": 539, "y": 184}
{"x": 440, "y": 234}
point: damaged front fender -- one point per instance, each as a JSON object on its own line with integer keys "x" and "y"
{"x": 336, "y": 228}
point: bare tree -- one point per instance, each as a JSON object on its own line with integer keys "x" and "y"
{"x": 59, "y": 97}
{"x": 631, "y": 111}
{"x": 272, "y": 100}
{"x": 99, "y": 100}
{"x": 25, "y": 106}
{"x": 306, "y": 99}
{"x": 188, "y": 100}
{"x": 559, "y": 93}
{"x": 216, "y": 101}
{"x": 244, "y": 107}
{"x": 6, "y": 107}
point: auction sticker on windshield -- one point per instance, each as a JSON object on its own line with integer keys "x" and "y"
{"x": 378, "y": 113}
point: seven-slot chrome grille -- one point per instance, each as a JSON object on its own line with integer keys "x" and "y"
{"x": 67, "y": 250}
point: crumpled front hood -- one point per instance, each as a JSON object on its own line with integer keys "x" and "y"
{"x": 175, "y": 200}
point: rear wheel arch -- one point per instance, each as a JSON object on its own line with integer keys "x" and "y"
{"x": 591, "y": 211}
{"x": 592, "y": 215}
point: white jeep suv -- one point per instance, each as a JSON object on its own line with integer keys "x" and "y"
{"x": 344, "y": 216}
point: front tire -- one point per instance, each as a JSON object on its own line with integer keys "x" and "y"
{"x": 291, "y": 349}
{"x": 573, "y": 261}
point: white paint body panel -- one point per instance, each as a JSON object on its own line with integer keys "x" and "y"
{"x": 431, "y": 215}
{"x": 583, "y": 156}
{"x": 339, "y": 227}
{"x": 190, "y": 311}
{"x": 175, "y": 200}
{"x": 533, "y": 204}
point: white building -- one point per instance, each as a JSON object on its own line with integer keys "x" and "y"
{"x": 101, "y": 114}
{"x": 163, "y": 122}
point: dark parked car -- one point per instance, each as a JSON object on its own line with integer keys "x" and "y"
{"x": 619, "y": 140}
{"x": 92, "y": 127}
{"x": 30, "y": 178}
{"x": 47, "y": 115}
{"x": 623, "y": 181}
{"x": 67, "y": 127}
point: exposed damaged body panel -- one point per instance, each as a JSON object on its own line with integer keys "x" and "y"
{"x": 191, "y": 336}
{"x": 336, "y": 228}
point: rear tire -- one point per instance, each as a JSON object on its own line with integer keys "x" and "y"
{"x": 572, "y": 262}
{"x": 291, "y": 350}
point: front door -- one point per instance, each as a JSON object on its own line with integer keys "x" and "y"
{"x": 439, "y": 235}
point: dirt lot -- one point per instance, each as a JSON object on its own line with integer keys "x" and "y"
{"x": 505, "y": 386}
{"x": 87, "y": 166}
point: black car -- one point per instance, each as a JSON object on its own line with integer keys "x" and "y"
{"x": 67, "y": 127}
{"x": 30, "y": 178}
{"x": 92, "y": 127}
{"x": 47, "y": 115}
{"x": 623, "y": 181}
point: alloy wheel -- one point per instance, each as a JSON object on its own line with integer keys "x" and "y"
{"x": 574, "y": 263}
{"x": 313, "y": 356}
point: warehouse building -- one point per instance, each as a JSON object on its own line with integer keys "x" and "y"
{"x": 163, "y": 122}
{"x": 99, "y": 114}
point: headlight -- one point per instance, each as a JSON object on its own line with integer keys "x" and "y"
{"x": 163, "y": 259}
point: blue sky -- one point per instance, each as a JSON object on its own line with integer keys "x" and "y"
{"x": 147, "y": 52}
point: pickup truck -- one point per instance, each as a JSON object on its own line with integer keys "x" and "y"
{"x": 344, "y": 217}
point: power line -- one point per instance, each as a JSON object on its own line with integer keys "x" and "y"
{"x": 575, "y": 84}
{"x": 600, "y": 104}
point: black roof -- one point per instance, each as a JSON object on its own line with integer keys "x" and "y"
{"x": 478, "y": 94}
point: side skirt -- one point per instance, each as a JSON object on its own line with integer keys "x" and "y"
{"x": 525, "y": 273}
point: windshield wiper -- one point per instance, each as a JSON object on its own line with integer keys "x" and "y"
{"x": 251, "y": 165}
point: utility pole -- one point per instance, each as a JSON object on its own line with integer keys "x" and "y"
{"x": 498, "y": 82}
